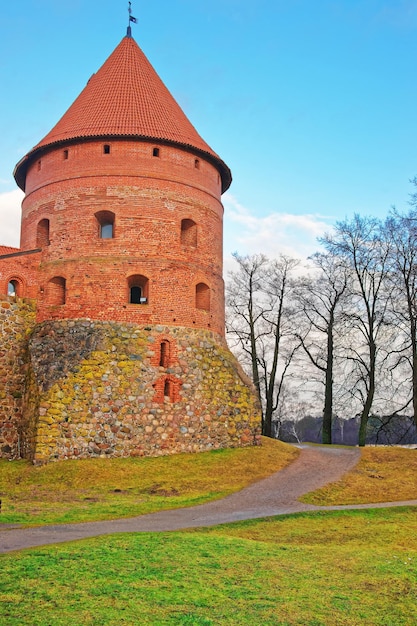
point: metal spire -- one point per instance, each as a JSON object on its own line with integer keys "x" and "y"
{"x": 131, "y": 19}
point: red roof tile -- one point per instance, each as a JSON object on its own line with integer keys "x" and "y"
{"x": 126, "y": 98}
{"x": 8, "y": 250}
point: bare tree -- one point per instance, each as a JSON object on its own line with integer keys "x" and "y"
{"x": 362, "y": 249}
{"x": 319, "y": 297}
{"x": 401, "y": 229}
{"x": 259, "y": 324}
{"x": 244, "y": 300}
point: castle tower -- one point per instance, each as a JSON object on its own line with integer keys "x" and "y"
{"x": 122, "y": 217}
{"x": 125, "y": 178}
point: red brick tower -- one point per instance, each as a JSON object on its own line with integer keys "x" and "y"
{"x": 123, "y": 197}
{"x": 121, "y": 250}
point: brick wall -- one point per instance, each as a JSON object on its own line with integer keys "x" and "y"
{"x": 21, "y": 268}
{"x": 151, "y": 198}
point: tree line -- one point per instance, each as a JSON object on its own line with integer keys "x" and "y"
{"x": 339, "y": 334}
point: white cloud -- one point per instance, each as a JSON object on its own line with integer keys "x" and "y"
{"x": 10, "y": 202}
{"x": 273, "y": 234}
{"x": 246, "y": 233}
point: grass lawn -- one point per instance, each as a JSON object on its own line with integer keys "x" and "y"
{"x": 98, "y": 489}
{"x": 352, "y": 568}
{"x": 383, "y": 474}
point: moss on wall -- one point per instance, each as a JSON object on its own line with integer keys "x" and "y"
{"x": 116, "y": 399}
{"x": 17, "y": 320}
{"x": 80, "y": 388}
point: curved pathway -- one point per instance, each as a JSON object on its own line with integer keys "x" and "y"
{"x": 276, "y": 495}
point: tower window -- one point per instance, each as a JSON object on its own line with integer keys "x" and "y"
{"x": 105, "y": 221}
{"x": 202, "y": 296}
{"x": 106, "y": 148}
{"x": 42, "y": 234}
{"x": 188, "y": 233}
{"x": 197, "y": 164}
{"x": 56, "y": 291}
{"x": 39, "y": 165}
{"x": 138, "y": 289}
{"x": 65, "y": 154}
{"x": 106, "y": 231}
{"x": 155, "y": 152}
{"x": 135, "y": 294}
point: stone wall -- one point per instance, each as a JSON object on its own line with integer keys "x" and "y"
{"x": 17, "y": 319}
{"x": 108, "y": 389}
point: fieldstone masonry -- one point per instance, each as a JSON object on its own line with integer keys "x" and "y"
{"x": 109, "y": 389}
{"x": 17, "y": 319}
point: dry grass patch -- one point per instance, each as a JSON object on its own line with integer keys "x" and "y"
{"x": 96, "y": 489}
{"x": 384, "y": 474}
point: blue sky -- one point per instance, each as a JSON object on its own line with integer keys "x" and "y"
{"x": 312, "y": 104}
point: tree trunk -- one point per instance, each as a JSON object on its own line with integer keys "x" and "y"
{"x": 328, "y": 390}
{"x": 413, "y": 337}
{"x": 370, "y": 396}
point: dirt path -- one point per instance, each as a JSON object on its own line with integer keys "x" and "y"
{"x": 276, "y": 495}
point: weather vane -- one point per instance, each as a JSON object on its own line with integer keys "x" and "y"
{"x": 131, "y": 19}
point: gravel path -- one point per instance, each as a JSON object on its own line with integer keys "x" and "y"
{"x": 276, "y": 495}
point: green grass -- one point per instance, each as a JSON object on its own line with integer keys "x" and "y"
{"x": 335, "y": 568}
{"x": 98, "y": 489}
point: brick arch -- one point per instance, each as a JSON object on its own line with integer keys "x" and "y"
{"x": 56, "y": 291}
{"x": 188, "y": 232}
{"x": 138, "y": 289}
{"x": 19, "y": 284}
{"x": 167, "y": 388}
{"x": 165, "y": 351}
{"x": 202, "y": 296}
{"x": 43, "y": 233}
{"x": 105, "y": 223}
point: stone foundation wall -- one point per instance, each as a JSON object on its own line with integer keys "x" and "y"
{"x": 109, "y": 389}
{"x": 17, "y": 320}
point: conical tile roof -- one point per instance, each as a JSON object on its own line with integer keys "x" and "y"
{"x": 126, "y": 98}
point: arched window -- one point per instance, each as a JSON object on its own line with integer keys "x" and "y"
{"x": 138, "y": 289}
{"x": 105, "y": 220}
{"x": 56, "y": 291}
{"x": 202, "y": 296}
{"x": 188, "y": 233}
{"x": 13, "y": 288}
{"x": 42, "y": 234}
